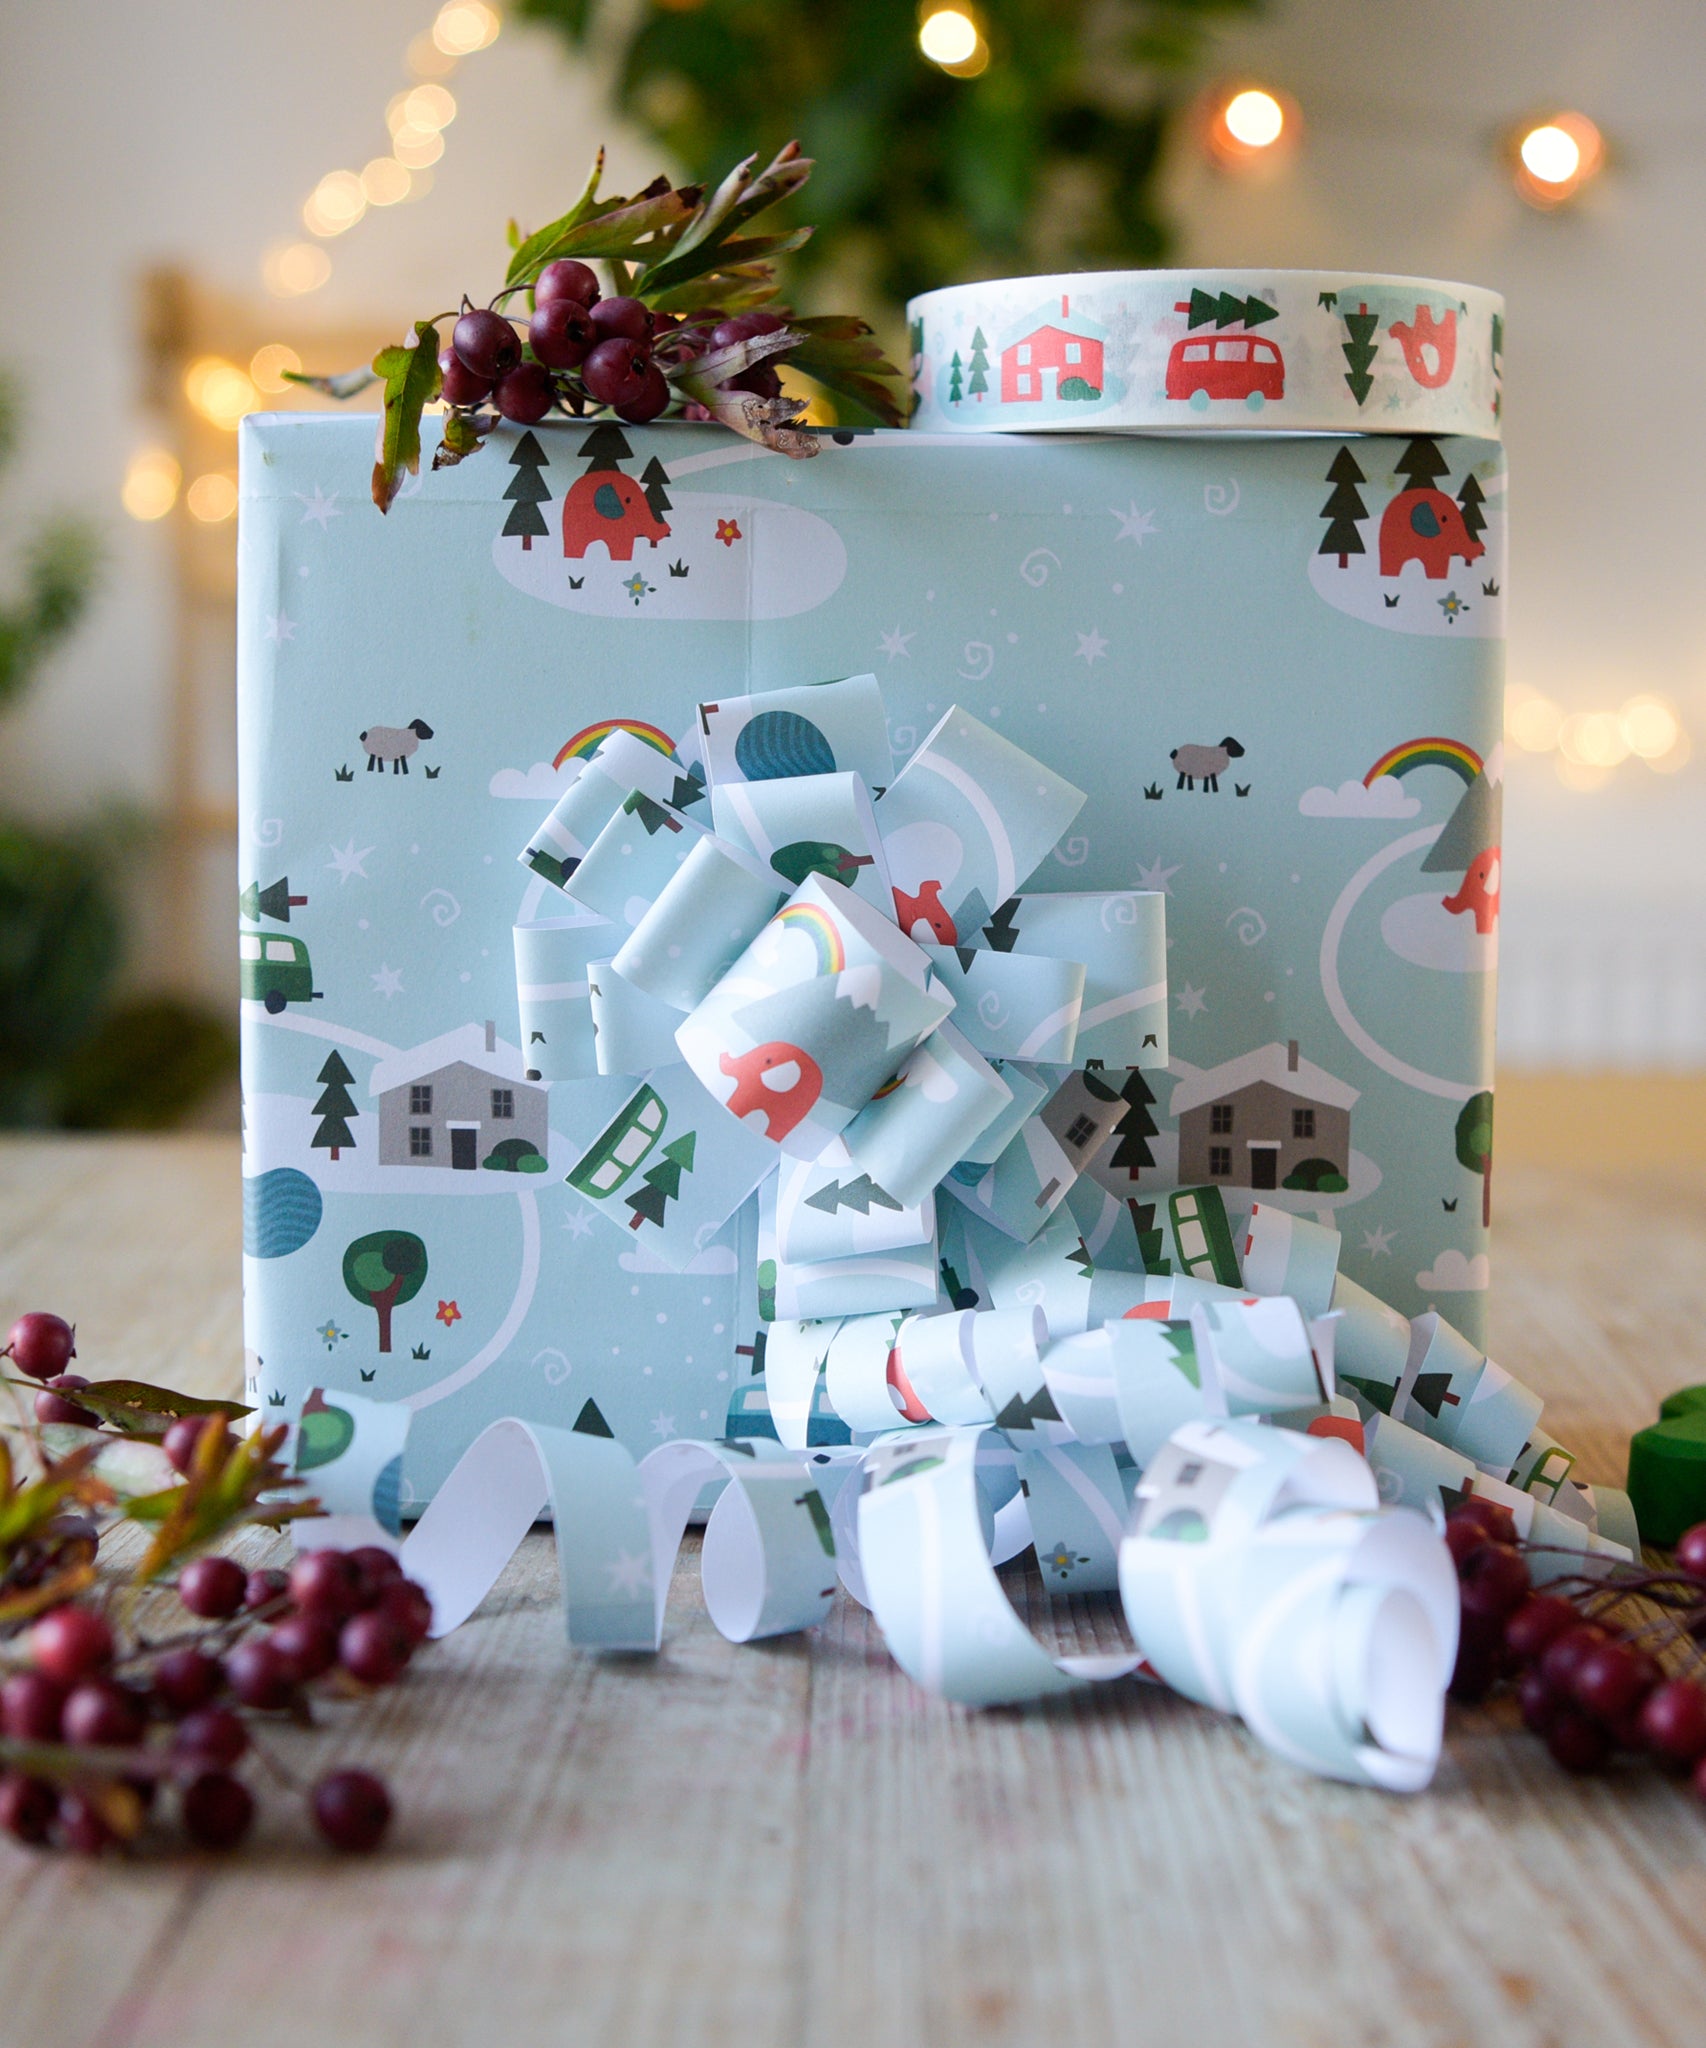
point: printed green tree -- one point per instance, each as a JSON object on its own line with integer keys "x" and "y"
{"x": 662, "y": 1184}
{"x": 1343, "y": 509}
{"x": 334, "y": 1108}
{"x": 979, "y": 364}
{"x": 606, "y": 447}
{"x": 1475, "y": 1145}
{"x": 955, "y": 392}
{"x": 527, "y": 492}
{"x": 1421, "y": 465}
{"x": 1470, "y": 500}
{"x": 382, "y": 1270}
{"x": 1151, "y": 1236}
{"x": 1360, "y": 351}
{"x": 1134, "y": 1130}
{"x": 654, "y": 476}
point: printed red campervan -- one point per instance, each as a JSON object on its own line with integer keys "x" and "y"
{"x": 1225, "y": 366}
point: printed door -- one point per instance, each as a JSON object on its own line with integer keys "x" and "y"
{"x": 1264, "y": 1165}
{"x": 463, "y": 1145}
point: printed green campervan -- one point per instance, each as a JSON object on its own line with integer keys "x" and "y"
{"x": 1202, "y": 1237}
{"x": 274, "y": 970}
{"x": 623, "y": 1147}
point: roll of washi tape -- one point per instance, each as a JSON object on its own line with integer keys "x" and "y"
{"x": 1152, "y": 351}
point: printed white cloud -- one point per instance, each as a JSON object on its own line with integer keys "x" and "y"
{"x": 539, "y": 784}
{"x": 715, "y": 1258}
{"x": 1383, "y": 798}
{"x": 1452, "y": 1273}
{"x": 1421, "y": 930}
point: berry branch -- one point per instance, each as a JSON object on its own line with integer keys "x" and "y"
{"x": 693, "y": 328}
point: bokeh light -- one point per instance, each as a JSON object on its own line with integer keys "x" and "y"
{"x": 1556, "y": 157}
{"x": 1650, "y": 727}
{"x": 1248, "y": 127}
{"x": 1254, "y": 118}
{"x": 384, "y": 181}
{"x": 268, "y": 365}
{"x": 948, "y": 36}
{"x": 219, "y": 391}
{"x": 415, "y": 148}
{"x": 212, "y": 497}
{"x": 464, "y": 26}
{"x": 151, "y": 480}
{"x": 291, "y": 268}
{"x": 336, "y": 203}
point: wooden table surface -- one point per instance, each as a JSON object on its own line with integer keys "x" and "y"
{"x": 789, "y": 1844}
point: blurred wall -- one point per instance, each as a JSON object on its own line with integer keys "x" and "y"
{"x": 189, "y": 131}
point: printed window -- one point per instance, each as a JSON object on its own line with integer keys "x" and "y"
{"x": 1265, "y": 352}
{"x": 1024, "y": 352}
{"x": 1197, "y": 352}
{"x": 1220, "y": 1119}
{"x": 249, "y": 947}
{"x": 1231, "y": 351}
{"x": 420, "y": 1100}
{"x": 1303, "y": 1123}
{"x": 1080, "y": 1131}
{"x": 1075, "y": 352}
{"x": 420, "y": 1141}
{"x": 280, "y": 949}
{"x": 503, "y": 1102}
{"x": 1219, "y": 1161}
{"x": 1025, "y": 385}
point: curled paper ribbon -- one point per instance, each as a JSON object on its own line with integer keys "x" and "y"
{"x": 1335, "y": 352}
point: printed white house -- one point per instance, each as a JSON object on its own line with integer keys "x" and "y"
{"x": 459, "y": 1101}
{"x": 1267, "y": 1119}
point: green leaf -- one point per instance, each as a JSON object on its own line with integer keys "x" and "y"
{"x": 412, "y": 381}
{"x": 144, "y": 1410}
{"x": 615, "y": 230}
{"x": 675, "y": 269}
{"x": 464, "y": 435}
{"x": 343, "y": 384}
{"x": 718, "y": 365}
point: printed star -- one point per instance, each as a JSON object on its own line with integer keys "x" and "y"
{"x": 663, "y": 1426}
{"x": 280, "y": 628}
{"x": 388, "y": 982}
{"x": 447, "y": 1313}
{"x": 895, "y": 643}
{"x": 629, "y": 1571}
{"x": 1134, "y": 525}
{"x": 1191, "y": 1001}
{"x": 349, "y": 862}
{"x": 1091, "y": 648}
{"x": 1452, "y": 606}
{"x": 1156, "y": 877}
{"x": 318, "y": 508}
{"x": 579, "y": 1224}
{"x": 1378, "y": 1243}
{"x": 728, "y": 532}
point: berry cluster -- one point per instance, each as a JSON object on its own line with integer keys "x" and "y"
{"x": 94, "y": 1720}
{"x": 1588, "y": 1689}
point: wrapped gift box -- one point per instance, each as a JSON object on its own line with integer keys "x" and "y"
{"x": 1277, "y": 685}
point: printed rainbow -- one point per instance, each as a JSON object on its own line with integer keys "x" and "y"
{"x": 590, "y": 738}
{"x": 820, "y": 928}
{"x": 1435, "y": 753}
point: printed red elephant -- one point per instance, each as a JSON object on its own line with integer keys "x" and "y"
{"x": 1424, "y": 526}
{"x": 782, "y": 1108}
{"x": 1479, "y": 892}
{"x": 609, "y": 506}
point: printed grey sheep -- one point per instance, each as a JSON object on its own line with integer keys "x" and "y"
{"x": 394, "y": 743}
{"x": 1205, "y": 763}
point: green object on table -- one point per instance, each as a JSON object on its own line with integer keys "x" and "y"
{"x": 1667, "y": 1473}
{"x": 1685, "y": 1401}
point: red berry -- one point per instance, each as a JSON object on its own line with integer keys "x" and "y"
{"x": 409, "y": 1607}
{"x": 41, "y": 1345}
{"x": 1540, "y": 1618}
{"x": 1691, "y": 1551}
{"x": 308, "y": 1645}
{"x": 761, "y": 380}
{"x": 626, "y": 319}
{"x": 213, "y": 1587}
{"x": 264, "y": 1587}
{"x": 378, "y": 1568}
{"x": 30, "y": 1707}
{"x": 351, "y": 1809}
{"x": 180, "y": 1441}
{"x": 653, "y": 399}
{"x": 525, "y": 394}
{"x": 459, "y": 385}
{"x": 486, "y": 343}
{"x": 27, "y": 1807}
{"x": 70, "y": 1643}
{"x": 1537, "y": 1700}
{"x": 560, "y": 333}
{"x": 1478, "y": 1659}
{"x": 52, "y": 1407}
{"x": 615, "y": 372}
{"x": 373, "y": 1649}
{"x": 1463, "y": 1537}
{"x": 1577, "y": 1740}
{"x": 1673, "y": 1721}
{"x": 1494, "y": 1517}
{"x": 326, "y": 1583}
{"x": 101, "y": 1715}
{"x": 81, "y": 1827}
{"x": 566, "y": 279}
{"x": 727, "y": 332}
{"x": 258, "y": 1675}
{"x": 215, "y": 1737}
{"x": 1612, "y": 1680}
{"x": 1494, "y": 1582}
{"x": 186, "y": 1679}
{"x": 218, "y": 1810}
{"x": 1566, "y": 1650}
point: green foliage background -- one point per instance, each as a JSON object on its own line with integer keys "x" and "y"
{"x": 1045, "y": 161}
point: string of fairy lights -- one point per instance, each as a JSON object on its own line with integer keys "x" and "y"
{"x": 1244, "y": 126}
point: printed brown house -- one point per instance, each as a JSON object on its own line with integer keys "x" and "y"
{"x": 455, "y": 1100}
{"x": 1267, "y": 1119}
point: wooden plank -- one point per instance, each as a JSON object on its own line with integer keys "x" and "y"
{"x": 790, "y": 1843}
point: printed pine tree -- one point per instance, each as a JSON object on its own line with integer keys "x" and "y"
{"x": 1360, "y": 351}
{"x": 979, "y": 364}
{"x": 662, "y": 1184}
{"x": 334, "y": 1108}
{"x": 1151, "y": 1238}
{"x": 654, "y": 476}
{"x": 1470, "y": 500}
{"x": 527, "y": 492}
{"x": 1135, "y": 1129}
{"x": 606, "y": 447}
{"x": 1343, "y": 509}
{"x": 1421, "y": 464}
{"x": 954, "y": 368}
